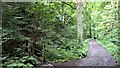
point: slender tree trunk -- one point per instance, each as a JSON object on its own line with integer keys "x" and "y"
{"x": 79, "y": 19}
{"x": 90, "y": 30}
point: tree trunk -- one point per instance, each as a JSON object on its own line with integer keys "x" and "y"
{"x": 79, "y": 19}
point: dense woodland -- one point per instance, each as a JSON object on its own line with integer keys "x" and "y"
{"x": 48, "y": 32}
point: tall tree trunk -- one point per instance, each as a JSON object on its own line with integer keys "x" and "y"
{"x": 90, "y": 30}
{"x": 79, "y": 19}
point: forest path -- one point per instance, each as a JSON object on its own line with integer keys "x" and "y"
{"x": 97, "y": 56}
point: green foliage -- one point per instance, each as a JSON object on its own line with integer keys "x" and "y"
{"x": 74, "y": 51}
{"x": 62, "y": 54}
{"x": 24, "y": 62}
{"x": 47, "y": 23}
